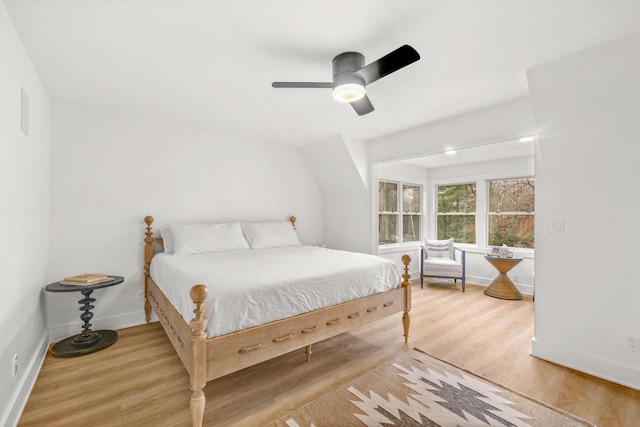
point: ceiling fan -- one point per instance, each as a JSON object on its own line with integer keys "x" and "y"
{"x": 350, "y": 76}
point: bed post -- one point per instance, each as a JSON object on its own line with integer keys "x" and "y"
{"x": 198, "y": 355}
{"x": 148, "y": 256}
{"x": 293, "y": 221}
{"x": 406, "y": 284}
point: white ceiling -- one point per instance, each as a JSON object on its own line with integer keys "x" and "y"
{"x": 210, "y": 64}
{"x": 479, "y": 153}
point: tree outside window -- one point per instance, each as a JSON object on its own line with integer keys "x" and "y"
{"x": 399, "y": 218}
{"x": 411, "y": 213}
{"x": 456, "y": 212}
{"x": 387, "y": 213}
{"x": 511, "y": 213}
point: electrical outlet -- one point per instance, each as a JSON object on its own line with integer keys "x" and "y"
{"x": 140, "y": 296}
{"x": 633, "y": 343}
{"x": 15, "y": 365}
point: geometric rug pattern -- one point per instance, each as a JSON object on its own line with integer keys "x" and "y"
{"x": 416, "y": 389}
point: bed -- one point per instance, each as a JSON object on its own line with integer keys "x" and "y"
{"x": 286, "y": 311}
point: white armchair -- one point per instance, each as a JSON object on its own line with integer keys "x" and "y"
{"x": 438, "y": 259}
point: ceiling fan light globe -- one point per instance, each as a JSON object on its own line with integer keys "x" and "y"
{"x": 348, "y": 92}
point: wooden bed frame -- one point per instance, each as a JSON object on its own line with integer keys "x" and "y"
{"x": 206, "y": 359}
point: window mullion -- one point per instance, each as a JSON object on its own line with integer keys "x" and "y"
{"x": 400, "y": 227}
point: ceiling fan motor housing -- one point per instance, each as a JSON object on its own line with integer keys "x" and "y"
{"x": 345, "y": 66}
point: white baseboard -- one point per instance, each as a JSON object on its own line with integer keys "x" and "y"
{"x": 483, "y": 281}
{"x": 116, "y": 322}
{"x": 626, "y": 375}
{"x": 18, "y": 400}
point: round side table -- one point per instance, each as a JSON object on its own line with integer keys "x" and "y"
{"x": 502, "y": 286}
{"x": 88, "y": 341}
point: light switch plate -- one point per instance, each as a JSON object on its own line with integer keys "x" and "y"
{"x": 556, "y": 227}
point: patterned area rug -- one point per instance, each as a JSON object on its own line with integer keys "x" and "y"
{"x": 416, "y": 389}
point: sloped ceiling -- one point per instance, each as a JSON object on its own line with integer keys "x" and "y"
{"x": 337, "y": 165}
{"x": 210, "y": 64}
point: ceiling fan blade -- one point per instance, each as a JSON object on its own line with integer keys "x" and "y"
{"x": 320, "y": 85}
{"x": 389, "y": 63}
{"x": 362, "y": 106}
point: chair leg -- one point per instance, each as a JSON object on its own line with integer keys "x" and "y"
{"x": 463, "y": 283}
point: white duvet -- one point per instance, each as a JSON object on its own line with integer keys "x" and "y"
{"x": 256, "y": 286}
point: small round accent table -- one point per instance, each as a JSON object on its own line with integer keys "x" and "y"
{"x": 88, "y": 341}
{"x": 502, "y": 286}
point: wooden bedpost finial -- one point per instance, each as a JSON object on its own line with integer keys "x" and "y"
{"x": 198, "y": 323}
{"x": 406, "y": 260}
{"x": 293, "y": 221}
{"x": 148, "y": 219}
{"x": 199, "y": 294}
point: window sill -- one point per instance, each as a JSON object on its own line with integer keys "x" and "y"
{"x": 389, "y": 249}
{"x": 404, "y": 247}
{"x": 517, "y": 252}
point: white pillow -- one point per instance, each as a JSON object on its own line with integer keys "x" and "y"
{"x": 205, "y": 238}
{"x": 439, "y": 248}
{"x": 167, "y": 239}
{"x": 262, "y": 235}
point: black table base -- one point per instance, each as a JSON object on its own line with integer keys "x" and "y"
{"x": 82, "y": 344}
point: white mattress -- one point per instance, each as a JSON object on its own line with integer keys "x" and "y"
{"x": 251, "y": 287}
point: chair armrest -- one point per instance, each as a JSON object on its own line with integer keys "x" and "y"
{"x": 423, "y": 252}
{"x": 463, "y": 254}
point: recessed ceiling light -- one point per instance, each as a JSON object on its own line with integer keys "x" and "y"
{"x": 450, "y": 152}
{"x": 527, "y": 138}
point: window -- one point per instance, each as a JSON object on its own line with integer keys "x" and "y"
{"x": 411, "y": 213}
{"x": 511, "y": 212}
{"x": 387, "y": 213}
{"x": 399, "y": 218}
{"x": 456, "y": 212}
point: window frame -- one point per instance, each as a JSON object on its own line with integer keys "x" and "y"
{"x": 437, "y": 214}
{"x": 482, "y": 206}
{"x": 400, "y": 214}
{"x": 517, "y": 213}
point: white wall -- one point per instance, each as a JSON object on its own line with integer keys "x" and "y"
{"x": 496, "y": 123}
{"x": 587, "y": 108}
{"x": 24, "y": 220}
{"x": 109, "y": 171}
{"x": 340, "y": 166}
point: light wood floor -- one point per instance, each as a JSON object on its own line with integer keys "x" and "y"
{"x": 140, "y": 381}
